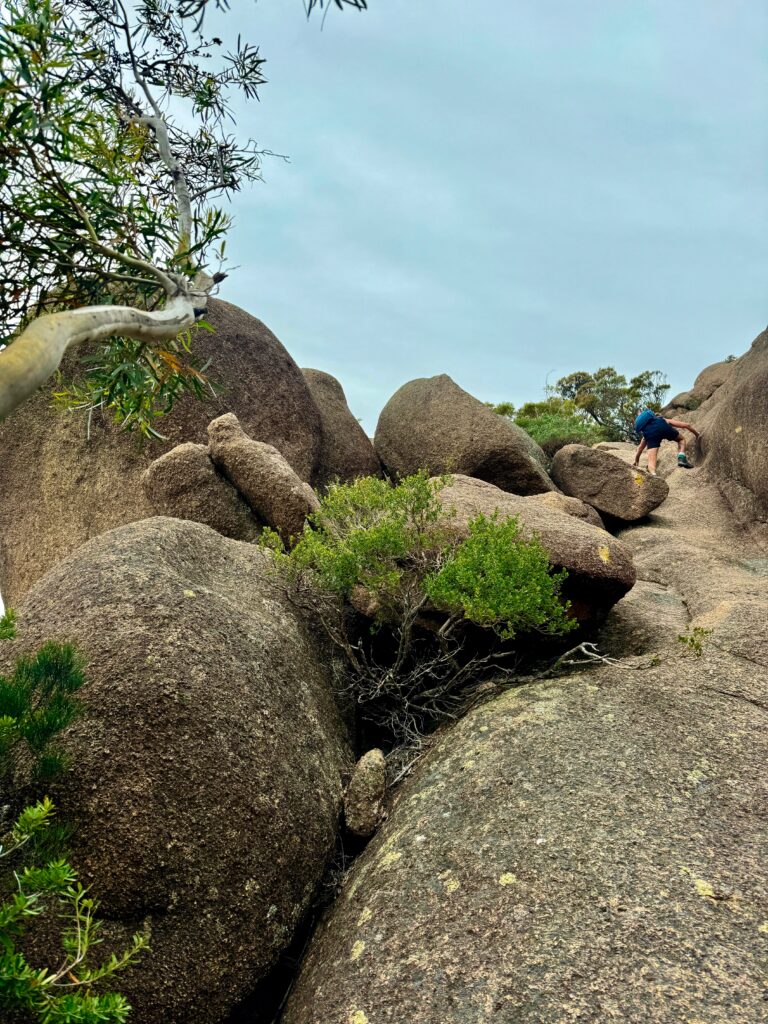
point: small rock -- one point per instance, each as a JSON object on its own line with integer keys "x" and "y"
{"x": 364, "y": 799}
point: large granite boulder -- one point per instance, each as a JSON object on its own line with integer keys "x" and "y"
{"x": 184, "y": 484}
{"x": 64, "y": 480}
{"x": 346, "y": 451}
{"x": 432, "y": 424}
{"x": 607, "y": 483}
{"x": 206, "y": 778}
{"x": 600, "y": 568}
{"x": 734, "y": 427}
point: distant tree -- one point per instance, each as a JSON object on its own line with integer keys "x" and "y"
{"x": 611, "y": 401}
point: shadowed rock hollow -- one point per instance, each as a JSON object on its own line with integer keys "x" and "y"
{"x": 205, "y": 786}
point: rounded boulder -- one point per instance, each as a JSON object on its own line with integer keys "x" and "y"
{"x": 607, "y": 483}
{"x": 206, "y": 778}
{"x": 433, "y": 424}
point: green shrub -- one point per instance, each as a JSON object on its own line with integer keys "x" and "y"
{"x": 393, "y": 546}
{"x": 552, "y": 431}
{"x": 496, "y": 578}
{"x": 64, "y": 994}
{"x": 8, "y": 624}
{"x": 36, "y": 703}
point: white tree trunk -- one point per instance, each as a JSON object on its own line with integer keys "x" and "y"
{"x": 28, "y": 362}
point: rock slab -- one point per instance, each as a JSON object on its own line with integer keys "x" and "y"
{"x": 346, "y": 451}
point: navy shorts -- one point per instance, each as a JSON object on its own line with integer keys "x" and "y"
{"x": 657, "y": 432}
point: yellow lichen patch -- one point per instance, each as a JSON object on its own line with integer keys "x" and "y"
{"x": 366, "y": 916}
{"x": 604, "y": 553}
{"x": 470, "y": 763}
{"x": 507, "y": 878}
{"x": 696, "y": 776}
{"x": 451, "y": 884}
{"x": 738, "y": 430}
{"x": 358, "y": 1017}
{"x": 763, "y": 929}
{"x": 702, "y": 887}
{"x": 189, "y": 593}
{"x": 639, "y": 479}
{"x": 390, "y": 858}
{"x": 357, "y": 950}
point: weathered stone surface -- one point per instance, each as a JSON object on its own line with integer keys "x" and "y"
{"x": 184, "y": 484}
{"x": 606, "y": 482}
{"x": 346, "y": 451}
{"x": 432, "y": 424}
{"x": 734, "y": 425}
{"x": 364, "y": 798}
{"x": 206, "y": 774}
{"x": 711, "y": 378}
{"x": 571, "y": 506}
{"x": 58, "y": 487}
{"x": 590, "y": 848}
{"x": 259, "y": 472}
{"x": 600, "y": 568}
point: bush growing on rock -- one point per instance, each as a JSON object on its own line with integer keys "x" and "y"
{"x": 388, "y": 552}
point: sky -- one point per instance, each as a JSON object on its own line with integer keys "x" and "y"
{"x": 506, "y": 191}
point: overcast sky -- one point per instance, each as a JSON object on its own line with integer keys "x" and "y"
{"x": 507, "y": 190}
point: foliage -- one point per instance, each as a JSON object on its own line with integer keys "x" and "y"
{"x": 693, "y": 639}
{"x": 8, "y": 624}
{"x": 497, "y": 578}
{"x": 114, "y": 150}
{"x": 611, "y": 401}
{"x": 64, "y": 995}
{"x": 553, "y": 422}
{"x": 392, "y": 549}
{"x": 138, "y": 382}
{"x": 36, "y": 702}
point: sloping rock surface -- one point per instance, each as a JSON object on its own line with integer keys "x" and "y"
{"x": 346, "y": 451}
{"x": 433, "y": 424}
{"x": 59, "y": 488}
{"x": 206, "y": 774}
{"x": 590, "y": 848}
{"x": 606, "y": 482}
{"x": 600, "y": 568}
{"x": 264, "y": 478}
{"x": 184, "y": 484}
{"x": 734, "y": 425}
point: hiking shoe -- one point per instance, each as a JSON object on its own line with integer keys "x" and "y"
{"x": 683, "y": 463}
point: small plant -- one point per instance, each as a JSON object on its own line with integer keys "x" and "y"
{"x": 8, "y": 624}
{"x": 64, "y": 994}
{"x": 693, "y": 639}
{"x": 36, "y": 703}
{"x": 392, "y": 549}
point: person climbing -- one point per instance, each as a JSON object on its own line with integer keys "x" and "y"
{"x": 654, "y": 429}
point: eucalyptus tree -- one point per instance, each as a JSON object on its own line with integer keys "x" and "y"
{"x": 117, "y": 157}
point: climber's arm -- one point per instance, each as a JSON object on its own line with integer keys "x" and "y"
{"x": 684, "y": 426}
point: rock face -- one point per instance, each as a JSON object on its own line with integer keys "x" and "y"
{"x": 588, "y": 849}
{"x": 58, "y": 488}
{"x": 734, "y": 424}
{"x": 607, "y": 483}
{"x": 432, "y": 424}
{"x": 184, "y": 484}
{"x": 571, "y": 506}
{"x": 259, "y": 472}
{"x": 346, "y": 451}
{"x": 600, "y": 568}
{"x": 206, "y": 778}
{"x": 705, "y": 386}
{"x": 364, "y": 799}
